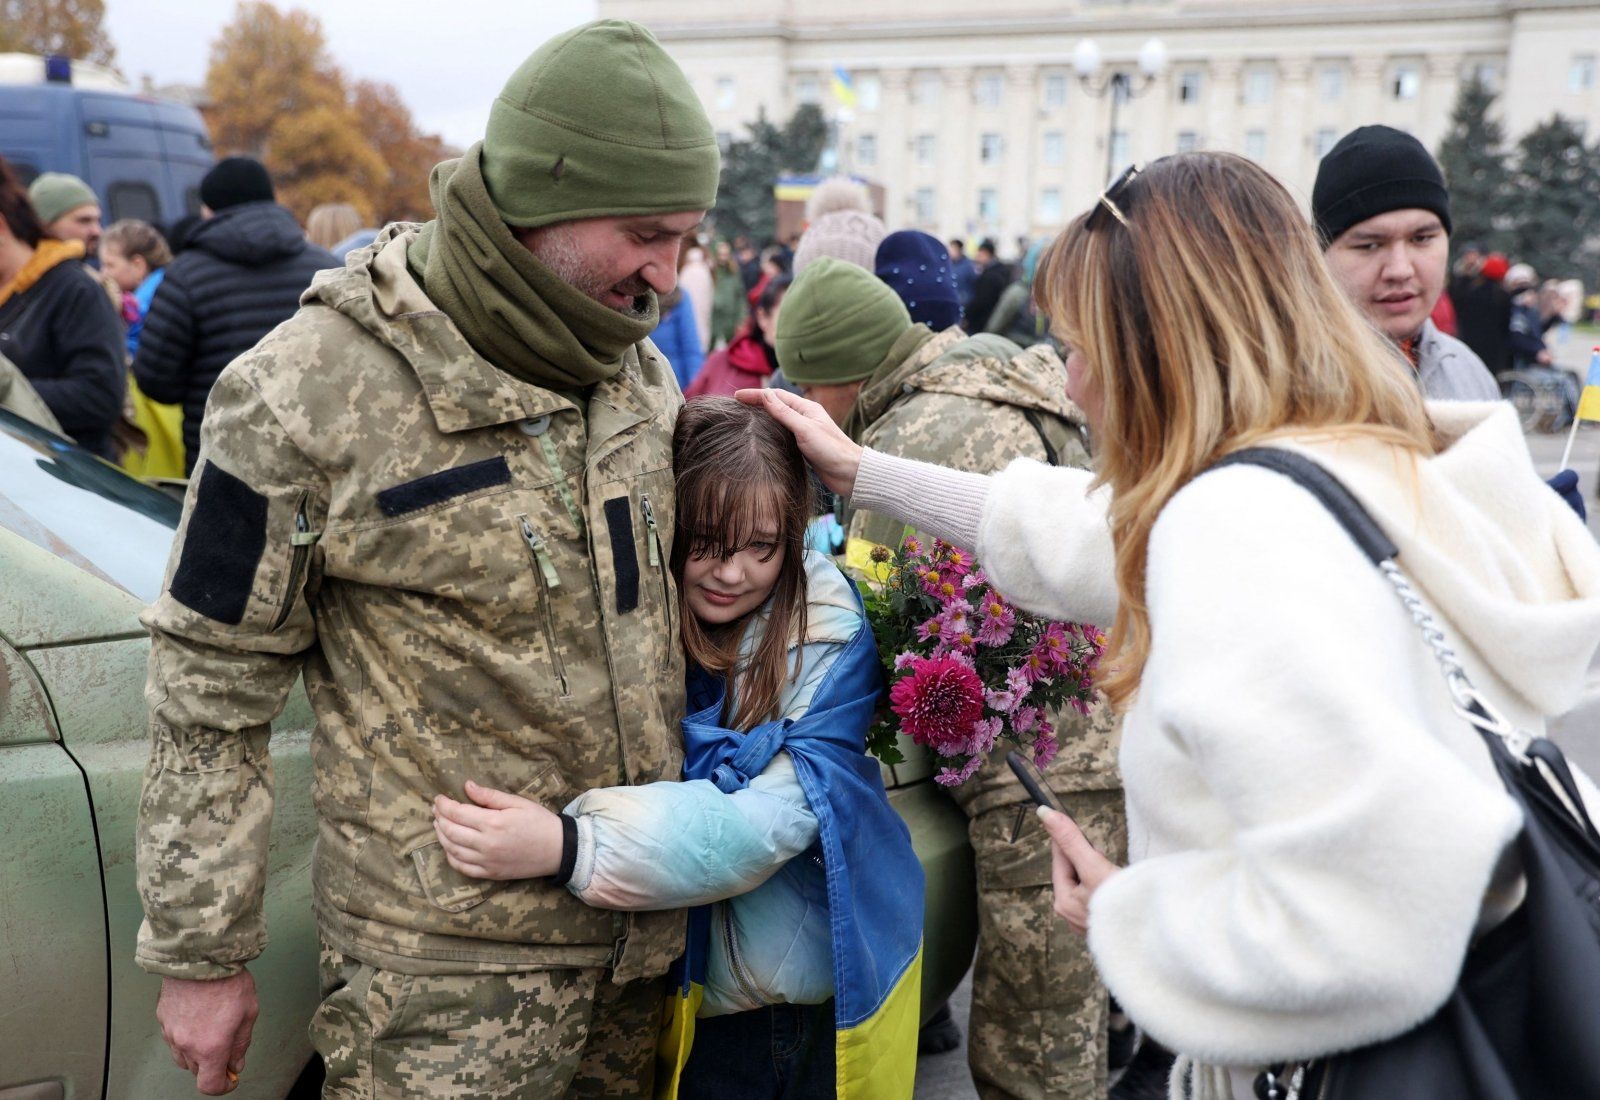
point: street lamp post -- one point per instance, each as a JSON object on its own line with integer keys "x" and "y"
{"x": 1119, "y": 85}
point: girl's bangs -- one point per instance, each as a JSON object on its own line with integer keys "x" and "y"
{"x": 721, "y": 517}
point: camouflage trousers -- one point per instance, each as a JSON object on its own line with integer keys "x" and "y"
{"x": 532, "y": 1035}
{"x": 1038, "y": 1009}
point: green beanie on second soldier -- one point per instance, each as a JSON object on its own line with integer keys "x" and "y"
{"x": 599, "y": 122}
{"x": 837, "y": 324}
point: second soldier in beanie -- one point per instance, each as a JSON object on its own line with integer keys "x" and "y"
{"x": 917, "y": 267}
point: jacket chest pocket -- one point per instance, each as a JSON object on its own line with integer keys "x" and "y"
{"x": 638, "y": 551}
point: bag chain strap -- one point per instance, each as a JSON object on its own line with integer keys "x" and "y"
{"x": 1469, "y": 703}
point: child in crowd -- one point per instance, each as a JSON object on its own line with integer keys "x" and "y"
{"x": 810, "y": 894}
{"x": 134, "y": 255}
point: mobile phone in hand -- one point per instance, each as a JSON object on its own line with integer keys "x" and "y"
{"x": 1032, "y": 781}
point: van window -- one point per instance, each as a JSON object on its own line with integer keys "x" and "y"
{"x": 133, "y": 200}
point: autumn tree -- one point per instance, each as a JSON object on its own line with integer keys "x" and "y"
{"x": 1476, "y": 169}
{"x": 68, "y": 27}
{"x": 1556, "y": 200}
{"x": 408, "y": 156}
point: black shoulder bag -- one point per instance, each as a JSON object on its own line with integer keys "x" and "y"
{"x": 1523, "y": 1022}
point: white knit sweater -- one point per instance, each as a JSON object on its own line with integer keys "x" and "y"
{"x": 1314, "y": 835}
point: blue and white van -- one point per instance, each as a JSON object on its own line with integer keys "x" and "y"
{"x": 144, "y": 156}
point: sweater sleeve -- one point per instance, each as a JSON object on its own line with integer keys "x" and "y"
{"x": 669, "y": 845}
{"x": 1289, "y": 711}
{"x": 87, "y": 336}
{"x": 1039, "y": 532}
{"x": 166, "y": 343}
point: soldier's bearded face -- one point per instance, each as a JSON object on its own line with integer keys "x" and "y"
{"x": 615, "y": 261}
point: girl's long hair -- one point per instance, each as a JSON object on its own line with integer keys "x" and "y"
{"x": 1209, "y": 323}
{"x": 736, "y": 470}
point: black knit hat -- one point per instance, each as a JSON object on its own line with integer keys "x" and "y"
{"x": 236, "y": 180}
{"x": 1372, "y": 171}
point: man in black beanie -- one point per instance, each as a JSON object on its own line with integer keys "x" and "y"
{"x": 1383, "y": 212}
{"x": 240, "y": 275}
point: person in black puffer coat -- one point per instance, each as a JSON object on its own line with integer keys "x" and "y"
{"x": 241, "y": 275}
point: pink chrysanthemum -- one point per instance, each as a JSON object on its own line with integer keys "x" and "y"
{"x": 957, "y": 561}
{"x": 951, "y": 777}
{"x": 938, "y": 704}
{"x": 1026, "y": 720}
{"x": 903, "y": 661}
{"x": 1044, "y": 749}
{"x": 997, "y": 629}
{"x": 984, "y": 734}
{"x": 912, "y": 547}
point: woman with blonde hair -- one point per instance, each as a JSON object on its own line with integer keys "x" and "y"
{"x": 1315, "y": 834}
{"x": 330, "y": 223}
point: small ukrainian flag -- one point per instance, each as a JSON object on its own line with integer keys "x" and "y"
{"x": 1589, "y": 403}
{"x": 844, "y": 89}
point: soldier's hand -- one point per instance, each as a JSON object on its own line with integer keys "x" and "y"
{"x": 504, "y": 836}
{"x": 207, "y": 1025}
{"x": 831, "y": 453}
{"x": 1076, "y": 868}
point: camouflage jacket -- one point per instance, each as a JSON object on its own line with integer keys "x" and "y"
{"x": 976, "y": 403}
{"x": 471, "y": 573}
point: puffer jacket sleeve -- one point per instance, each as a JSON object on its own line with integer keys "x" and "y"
{"x": 166, "y": 343}
{"x": 228, "y": 638}
{"x": 669, "y": 845}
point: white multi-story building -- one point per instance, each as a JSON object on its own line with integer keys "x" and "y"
{"x": 973, "y": 118}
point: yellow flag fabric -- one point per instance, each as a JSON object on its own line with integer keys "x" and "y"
{"x": 1589, "y": 403}
{"x": 163, "y": 428}
{"x": 877, "y": 1059}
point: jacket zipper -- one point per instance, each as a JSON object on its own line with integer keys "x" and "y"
{"x": 657, "y": 560}
{"x": 735, "y": 963}
{"x": 302, "y": 540}
{"x": 549, "y": 581}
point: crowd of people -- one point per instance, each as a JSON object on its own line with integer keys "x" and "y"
{"x": 583, "y": 655}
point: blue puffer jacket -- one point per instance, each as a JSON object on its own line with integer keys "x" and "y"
{"x": 672, "y": 845}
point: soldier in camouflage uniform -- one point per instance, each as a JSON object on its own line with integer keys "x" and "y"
{"x": 443, "y": 494}
{"x": 976, "y": 403}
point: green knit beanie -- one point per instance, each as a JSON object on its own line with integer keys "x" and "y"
{"x": 599, "y": 122}
{"x": 55, "y": 194}
{"x": 837, "y": 323}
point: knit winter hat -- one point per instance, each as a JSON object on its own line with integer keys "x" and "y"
{"x": 837, "y": 324}
{"x": 235, "y": 181}
{"x": 56, "y": 194}
{"x": 847, "y": 235}
{"x": 1373, "y": 170}
{"x": 599, "y": 122}
{"x": 917, "y": 268}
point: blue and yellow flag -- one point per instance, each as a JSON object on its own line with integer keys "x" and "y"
{"x": 844, "y": 89}
{"x": 874, "y": 882}
{"x": 1589, "y": 403}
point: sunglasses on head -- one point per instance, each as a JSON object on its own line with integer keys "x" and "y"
{"x": 1108, "y": 201}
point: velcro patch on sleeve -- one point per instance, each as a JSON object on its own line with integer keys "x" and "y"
{"x": 413, "y": 496}
{"x": 222, "y": 546}
{"x": 624, "y": 556}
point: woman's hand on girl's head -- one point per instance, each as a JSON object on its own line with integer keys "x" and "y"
{"x": 504, "y": 836}
{"x": 1076, "y": 869}
{"x": 830, "y": 452}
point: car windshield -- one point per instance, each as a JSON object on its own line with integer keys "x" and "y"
{"x": 61, "y": 497}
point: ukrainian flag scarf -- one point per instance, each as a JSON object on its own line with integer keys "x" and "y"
{"x": 874, "y": 881}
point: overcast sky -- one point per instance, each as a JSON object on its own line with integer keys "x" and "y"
{"x": 448, "y": 59}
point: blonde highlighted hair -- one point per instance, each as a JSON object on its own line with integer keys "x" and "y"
{"x": 1208, "y": 323}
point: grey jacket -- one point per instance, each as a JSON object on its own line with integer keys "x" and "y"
{"x": 1450, "y": 371}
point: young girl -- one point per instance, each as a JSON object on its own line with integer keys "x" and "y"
{"x": 135, "y": 255}
{"x": 810, "y": 894}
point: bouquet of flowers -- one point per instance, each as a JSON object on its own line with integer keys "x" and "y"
{"x": 965, "y": 667}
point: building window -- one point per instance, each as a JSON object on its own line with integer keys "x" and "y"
{"x": 1255, "y": 144}
{"x": 1581, "y": 74}
{"x": 922, "y": 200}
{"x": 1405, "y": 82}
{"x": 1330, "y": 84}
{"x": 725, "y": 93}
{"x": 808, "y": 90}
{"x": 1325, "y": 140}
{"x": 989, "y": 206}
{"x": 1054, "y": 153}
{"x": 925, "y": 90}
{"x": 1189, "y": 86}
{"x": 1119, "y": 152}
{"x": 1188, "y": 141}
{"x": 988, "y": 90}
{"x": 1049, "y": 206}
{"x": 927, "y": 148}
{"x": 867, "y": 150}
{"x": 991, "y": 147}
{"x": 1055, "y": 90}
{"x": 869, "y": 92}
{"x": 1258, "y": 86}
